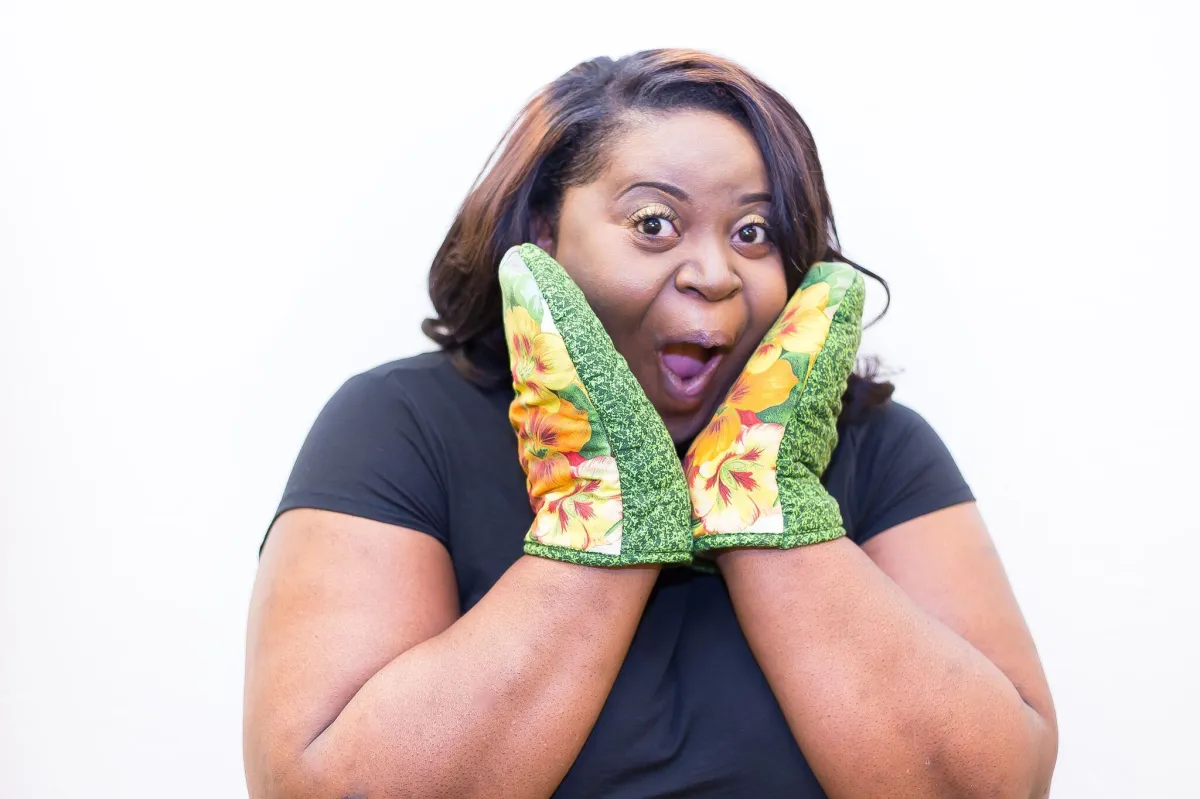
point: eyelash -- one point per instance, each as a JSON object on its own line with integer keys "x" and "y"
{"x": 656, "y": 211}
{"x": 758, "y": 221}
{"x": 660, "y": 211}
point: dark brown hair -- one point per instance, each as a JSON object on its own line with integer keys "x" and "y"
{"x": 559, "y": 139}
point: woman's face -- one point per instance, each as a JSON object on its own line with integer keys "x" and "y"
{"x": 669, "y": 245}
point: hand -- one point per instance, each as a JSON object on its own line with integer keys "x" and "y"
{"x": 605, "y": 483}
{"x": 754, "y": 473}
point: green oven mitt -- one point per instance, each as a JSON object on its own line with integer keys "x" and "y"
{"x": 754, "y": 473}
{"x": 604, "y": 480}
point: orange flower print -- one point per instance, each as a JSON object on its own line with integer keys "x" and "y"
{"x": 737, "y": 492}
{"x": 539, "y": 360}
{"x": 802, "y": 327}
{"x": 543, "y": 440}
{"x": 731, "y": 466}
{"x": 752, "y": 393}
{"x": 576, "y": 499}
{"x": 584, "y": 513}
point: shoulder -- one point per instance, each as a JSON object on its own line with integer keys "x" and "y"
{"x": 888, "y": 427}
{"x": 380, "y": 448}
{"x": 425, "y": 387}
{"x": 423, "y": 404}
{"x": 891, "y": 466}
{"x": 407, "y": 379}
{"x": 876, "y": 437}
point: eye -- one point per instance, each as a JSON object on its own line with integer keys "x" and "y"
{"x": 655, "y": 226}
{"x": 753, "y": 234}
{"x": 655, "y": 221}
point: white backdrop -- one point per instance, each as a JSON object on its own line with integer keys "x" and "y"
{"x": 213, "y": 213}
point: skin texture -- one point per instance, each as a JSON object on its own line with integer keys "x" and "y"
{"x": 361, "y": 679}
{"x": 695, "y": 274}
{"x": 904, "y": 668}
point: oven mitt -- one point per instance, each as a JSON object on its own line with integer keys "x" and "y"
{"x": 754, "y": 473}
{"x": 604, "y": 479}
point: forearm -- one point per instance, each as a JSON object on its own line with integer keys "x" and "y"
{"x": 500, "y": 703}
{"x": 883, "y": 699}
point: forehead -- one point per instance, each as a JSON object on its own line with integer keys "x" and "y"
{"x": 702, "y": 152}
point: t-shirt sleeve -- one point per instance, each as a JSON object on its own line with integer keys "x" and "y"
{"x": 906, "y": 472}
{"x": 368, "y": 454}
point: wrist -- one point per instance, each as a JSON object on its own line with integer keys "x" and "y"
{"x": 815, "y": 556}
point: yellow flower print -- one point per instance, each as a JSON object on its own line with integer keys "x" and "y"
{"x": 752, "y": 393}
{"x": 802, "y": 327}
{"x": 540, "y": 363}
{"x": 543, "y": 440}
{"x": 738, "y": 493}
{"x": 585, "y": 512}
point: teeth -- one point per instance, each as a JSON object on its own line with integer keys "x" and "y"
{"x": 691, "y": 350}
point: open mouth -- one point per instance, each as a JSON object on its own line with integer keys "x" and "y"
{"x": 689, "y": 369}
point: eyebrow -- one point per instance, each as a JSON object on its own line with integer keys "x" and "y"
{"x": 665, "y": 188}
{"x": 680, "y": 194}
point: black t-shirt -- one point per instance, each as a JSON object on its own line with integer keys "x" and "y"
{"x": 415, "y": 444}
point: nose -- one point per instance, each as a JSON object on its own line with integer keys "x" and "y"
{"x": 708, "y": 274}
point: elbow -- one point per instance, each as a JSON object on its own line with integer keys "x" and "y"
{"x": 285, "y": 781}
{"x": 298, "y": 776}
{"x": 1009, "y": 761}
{"x": 1040, "y": 753}
{"x": 1045, "y": 754}
{"x": 303, "y": 784}
{"x": 1030, "y": 772}
{"x": 314, "y": 775}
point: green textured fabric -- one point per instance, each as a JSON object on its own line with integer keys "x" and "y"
{"x": 811, "y": 515}
{"x": 656, "y": 510}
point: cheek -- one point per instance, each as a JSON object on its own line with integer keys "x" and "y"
{"x": 612, "y": 274}
{"x": 766, "y": 292}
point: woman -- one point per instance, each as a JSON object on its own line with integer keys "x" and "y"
{"x": 403, "y": 639}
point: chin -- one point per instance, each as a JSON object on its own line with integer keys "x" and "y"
{"x": 684, "y": 423}
{"x": 684, "y": 430}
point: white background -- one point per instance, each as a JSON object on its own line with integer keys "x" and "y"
{"x": 213, "y": 213}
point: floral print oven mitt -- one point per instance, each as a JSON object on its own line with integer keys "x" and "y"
{"x": 604, "y": 480}
{"x": 754, "y": 472}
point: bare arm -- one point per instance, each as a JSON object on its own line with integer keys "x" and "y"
{"x": 904, "y": 670}
{"x": 361, "y": 679}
